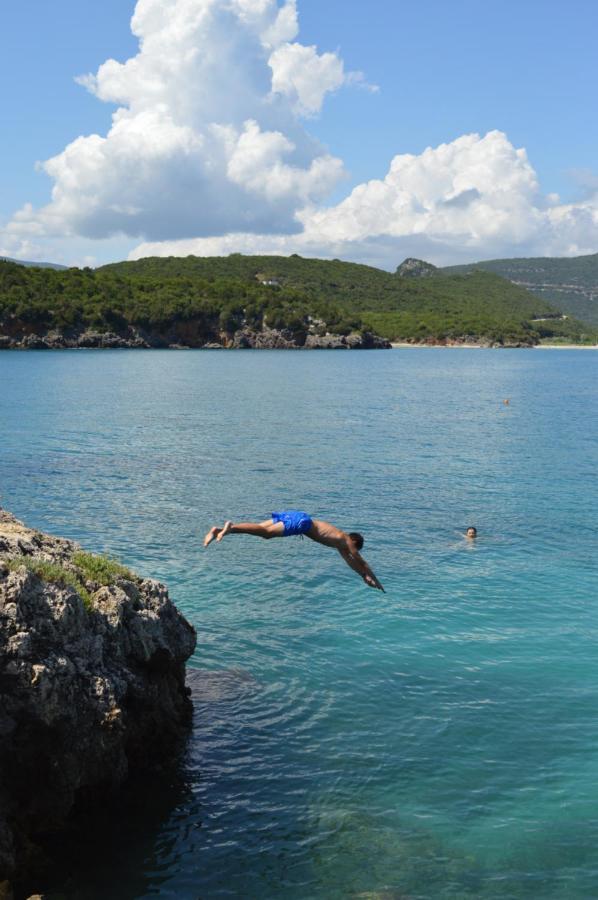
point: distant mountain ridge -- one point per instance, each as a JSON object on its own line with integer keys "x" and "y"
{"x": 569, "y": 283}
{"x": 36, "y": 265}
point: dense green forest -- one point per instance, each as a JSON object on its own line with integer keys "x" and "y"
{"x": 569, "y": 283}
{"x": 223, "y": 294}
{"x": 110, "y": 300}
{"x": 478, "y": 304}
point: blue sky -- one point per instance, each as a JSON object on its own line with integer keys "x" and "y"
{"x": 528, "y": 68}
{"x": 443, "y": 70}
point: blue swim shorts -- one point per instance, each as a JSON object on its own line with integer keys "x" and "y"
{"x": 294, "y": 520}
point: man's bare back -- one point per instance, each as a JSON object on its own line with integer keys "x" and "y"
{"x": 290, "y": 522}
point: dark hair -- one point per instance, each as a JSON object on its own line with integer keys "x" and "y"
{"x": 356, "y": 538}
{"x": 472, "y": 528}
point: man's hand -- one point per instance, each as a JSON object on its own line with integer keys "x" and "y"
{"x": 355, "y": 561}
{"x": 372, "y": 581}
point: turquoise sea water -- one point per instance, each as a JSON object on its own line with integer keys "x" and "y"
{"x": 438, "y": 741}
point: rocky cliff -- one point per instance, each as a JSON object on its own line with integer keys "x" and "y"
{"x": 92, "y": 685}
{"x": 185, "y": 336}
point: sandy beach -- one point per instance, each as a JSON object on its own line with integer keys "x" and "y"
{"x": 566, "y": 347}
{"x": 405, "y": 345}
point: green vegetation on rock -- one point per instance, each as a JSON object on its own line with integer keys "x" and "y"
{"x": 53, "y": 573}
{"x": 100, "y": 568}
{"x": 82, "y": 569}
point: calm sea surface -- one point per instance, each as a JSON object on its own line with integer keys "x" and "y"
{"x": 438, "y": 741}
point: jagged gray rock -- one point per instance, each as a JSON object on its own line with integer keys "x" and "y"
{"x": 283, "y": 339}
{"x": 355, "y": 341}
{"x": 57, "y": 340}
{"x": 191, "y": 337}
{"x": 92, "y": 684}
{"x": 266, "y": 339}
{"x": 416, "y": 268}
{"x": 109, "y": 340}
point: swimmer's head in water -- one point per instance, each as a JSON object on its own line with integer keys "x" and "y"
{"x": 471, "y": 532}
{"x": 357, "y": 539}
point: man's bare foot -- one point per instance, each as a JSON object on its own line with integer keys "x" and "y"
{"x": 210, "y": 536}
{"x": 224, "y": 531}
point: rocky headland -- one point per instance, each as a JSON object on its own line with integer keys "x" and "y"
{"x": 271, "y": 302}
{"x": 92, "y": 688}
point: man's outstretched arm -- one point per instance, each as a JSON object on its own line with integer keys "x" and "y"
{"x": 356, "y": 562}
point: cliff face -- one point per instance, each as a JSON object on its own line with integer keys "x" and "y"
{"x": 183, "y": 335}
{"x": 274, "y": 339}
{"x": 92, "y": 683}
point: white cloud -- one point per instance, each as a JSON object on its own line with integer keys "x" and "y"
{"x": 207, "y": 154}
{"x": 284, "y": 28}
{"x": 301, "y": 74}
{"x": 474, "y": 198}
{"x": 467, "y": 191}
{"x": 207, "y": 137}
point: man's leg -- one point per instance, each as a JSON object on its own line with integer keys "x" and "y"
{"x": 266, "y": 530}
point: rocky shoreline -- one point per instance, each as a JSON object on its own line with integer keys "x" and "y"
{"x": 92, "y": 689}
{"x": 189, "y": 338}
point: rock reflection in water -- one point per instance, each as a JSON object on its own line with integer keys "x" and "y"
{"x": 219, "y": 685}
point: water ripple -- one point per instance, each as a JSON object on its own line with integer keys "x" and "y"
{"x": 435, "y": 741}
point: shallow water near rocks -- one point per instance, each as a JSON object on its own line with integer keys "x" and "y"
{"x": 438, "y": 741}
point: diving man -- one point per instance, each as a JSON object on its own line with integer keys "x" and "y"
{"x": 293, "y": 521}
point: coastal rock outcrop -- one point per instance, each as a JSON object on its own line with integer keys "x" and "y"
{"x": 189, "y": 335}
{"x": 266, "y": 339}
{"x": 72, "y": 340}
{"x": 355, "y": 341}
{"x": 92, "y": 684}
{"x": 275, "y": 339}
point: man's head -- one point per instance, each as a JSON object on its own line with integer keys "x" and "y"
{"x": 471, "y": 532}
{"x": 357, "y": 539}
